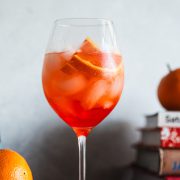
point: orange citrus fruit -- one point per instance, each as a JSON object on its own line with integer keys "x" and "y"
{"x": 91, "y": 60}
{"x": 88, "y": 67}
{"x": 13, "y": 166}
{"x": 88, "y": 46}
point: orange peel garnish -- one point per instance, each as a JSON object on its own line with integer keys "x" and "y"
{"x": 86, "y": 66}
{"x": 88, "y": 46}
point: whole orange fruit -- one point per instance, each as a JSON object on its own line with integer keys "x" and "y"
{"x": 13, "y": 166}
{"x": 169, "y": 90}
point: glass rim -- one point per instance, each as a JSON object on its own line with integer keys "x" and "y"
{"x": 79, "y": 22}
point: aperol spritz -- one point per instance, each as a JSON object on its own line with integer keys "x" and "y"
{"x": 82, "y": 75}
{"x": 83, "y": 87}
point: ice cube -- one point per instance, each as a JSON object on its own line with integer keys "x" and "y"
{"x": 70, "y": 85}
{"x": 54, "y": 61}
{"x": 116, "y": 86}
{"x": 109, "y": 62}
{"x": 94, "y": 93}
{"x": 68, "y": 69}
{"x": 106, "y": 101}
{"x": 113, "y": 91}
{"x": 107, "y": 104}
{"x": 57, "y": 61}
{"x": 67, "y": 55}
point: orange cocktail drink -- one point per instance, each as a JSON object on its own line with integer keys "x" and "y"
{"x": 83, "y": 86}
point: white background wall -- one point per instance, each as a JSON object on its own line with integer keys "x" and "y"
{"x": 148, "y": 33}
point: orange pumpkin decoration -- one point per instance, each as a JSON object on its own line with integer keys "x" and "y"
{"x": 169, "y": 90}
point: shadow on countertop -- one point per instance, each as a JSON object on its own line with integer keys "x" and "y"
{"x": 54, "y": 155}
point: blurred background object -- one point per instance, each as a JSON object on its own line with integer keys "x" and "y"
{"x": 148, "y": 34}
{"x": 169, "y": 90}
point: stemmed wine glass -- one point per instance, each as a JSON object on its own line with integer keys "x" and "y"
{"x": 82, "y": 75}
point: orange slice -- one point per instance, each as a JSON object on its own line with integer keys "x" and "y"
{"x": 90, "y": 52}
{"x": 88, "y": 46}
{"x": 91, "y": 61}
{"x": 86, "y": 66}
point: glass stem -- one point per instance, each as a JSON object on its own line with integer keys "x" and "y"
{"x": 82, "y": 157}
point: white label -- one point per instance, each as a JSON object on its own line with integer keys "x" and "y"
{"x": 169, "y": 119}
